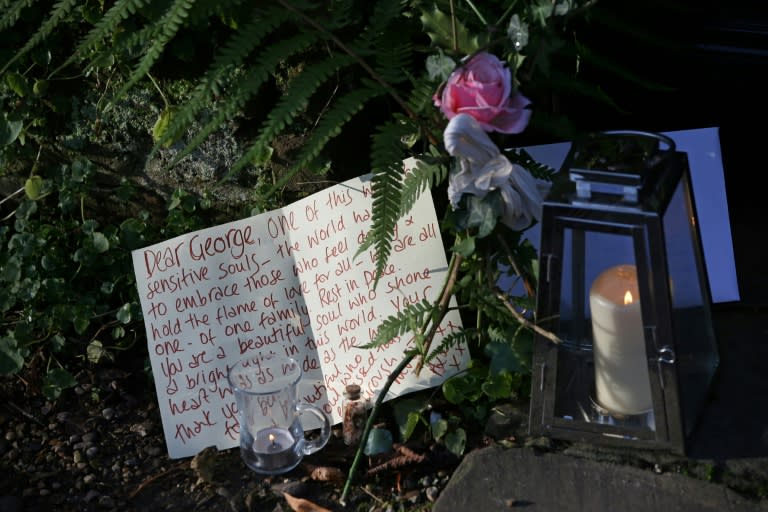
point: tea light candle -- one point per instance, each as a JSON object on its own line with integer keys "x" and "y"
{"x": 622, "y": 383}
{"x": 274, "y": 449}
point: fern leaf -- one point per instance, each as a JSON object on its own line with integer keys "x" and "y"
{"x": 12, "y": 12}
{"x": 167, "y": 27}
{"x": 402, "y": 322}
{"x": 59, "y": 12}
{"x": 393, "y": 58}
{"x": 537, "y": 169}
{"x": 420, "y": 98}
{"x": 387, "y": 156}
{"x": 294, "y": 101}
{"x": 329, "y": 126}
{"x": 237, "y": 48}
{"x": 422, "y": 177}
{"x": 449, "y": 341}
{"x": 104, "y": 27}
{"x": 247, "y": 85}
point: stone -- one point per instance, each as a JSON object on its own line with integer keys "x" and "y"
{"x": 490, "y": 477}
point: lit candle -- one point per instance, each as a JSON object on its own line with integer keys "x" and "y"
{"x": 621, "y": 366}
{"x": 275, "y": 448}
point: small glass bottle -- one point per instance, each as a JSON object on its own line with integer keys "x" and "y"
{"x": 355, "y": 415}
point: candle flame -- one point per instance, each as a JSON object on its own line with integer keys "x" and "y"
{"x": 272, "y": 438}
{"x": 628, "y": 298}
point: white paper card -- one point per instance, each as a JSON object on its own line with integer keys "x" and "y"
{"x": 285, "y": 282}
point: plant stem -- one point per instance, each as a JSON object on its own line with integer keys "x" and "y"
{"x": 445, "y": 298}
{"x": 554, "y": 338}
{"x": 13, "y": 194}
{"x": 371, "y": 419}
{"x": 477, "y": 12}
{"x": 433, "y": 322}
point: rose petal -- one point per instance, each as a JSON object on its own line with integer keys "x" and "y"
{"x": 514, "y": 117}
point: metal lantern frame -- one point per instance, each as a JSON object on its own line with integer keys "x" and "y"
{"x": 625, "y": 193}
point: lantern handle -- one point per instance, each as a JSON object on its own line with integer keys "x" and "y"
{"x": 660, "y": 136}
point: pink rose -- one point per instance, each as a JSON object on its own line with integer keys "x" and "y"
{"x": 481, "y": 88}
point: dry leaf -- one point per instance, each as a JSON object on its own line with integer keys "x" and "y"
{"x": 206, "y": 465}
{"x": 302, "y": 505}
{"x": 327, "y": 474}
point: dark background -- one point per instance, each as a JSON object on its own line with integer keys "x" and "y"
{"x": 712, "y": 58}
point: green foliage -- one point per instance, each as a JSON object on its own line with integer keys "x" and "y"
{"x": 415, "y": 411}
{"x": 68, "y": 289}
{"x": 387, "y": 184}
{"x": 264, "y": 70}
{"x": 59, "y": 12}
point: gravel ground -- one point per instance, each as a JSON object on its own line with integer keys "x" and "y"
{"x": 100, "y": 446}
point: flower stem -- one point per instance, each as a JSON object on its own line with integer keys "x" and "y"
{"x": 371, "y": 419}
{"x": 432, "y": 323}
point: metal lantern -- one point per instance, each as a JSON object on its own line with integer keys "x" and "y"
{"x": 623, "y": 286}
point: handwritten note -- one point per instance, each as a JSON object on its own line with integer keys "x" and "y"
{"x": 285, "y": 282}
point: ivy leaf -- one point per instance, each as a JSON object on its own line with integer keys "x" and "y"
{"x": 407, "y": 414}
{"x": 461, "y": 388}
{"x": 440, "y": 29}
{"x": 56, "y": 381}
{"x": 541, "y": 10}
{"x": 9, "y": 130}
{"x": 18, "y": 84}
{"x": 11, "y": 271}
{"x": 57, "y": 342}
{"x": 95, "y": 351}
{"x": 503, "y": 357}
{"x": 439, "y": 67}
{"x": 100, "y": 242}
{"x": 124, "y": 313}
{"x": 466, "y": 247}
{"x": 40, "y": 87}
{"x": 482, "y": 214}
{"x": 456, "y": 441}
{"x": 161, "y": 125}
{"x": 11, "y": 359}
{"x": 81, "y": 321}
{"x": 132, "y": 234}
{"x": 498, "y": 386}
{"x": 439, "y": 429}
{"x": 32, "y": 187}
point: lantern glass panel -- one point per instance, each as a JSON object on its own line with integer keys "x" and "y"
{"x": 695, "y": 343}
{"x": 602, "y": 371}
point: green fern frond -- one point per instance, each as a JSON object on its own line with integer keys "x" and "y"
{"x": 537, "y": 169}
{"x": 165, "y": 29}
{"x": 12, "y": 12}
{"x": 422, "y": 177}
{"x": 236, "y": 50}
{"x": 104, "y": 28}
{"x": 339, "y": 114}
{"x": 449, "y": 341}
{"x": 392, "y": 58}
{"x": 387, "y": 156}
{"x": 59, "y": 12}
{"x": 294, "y": 101}
{"x": 402, "y": 322}
{"x": 246, "y": 86}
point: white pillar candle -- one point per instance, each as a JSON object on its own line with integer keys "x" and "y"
{"x": 621, "y": 366}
